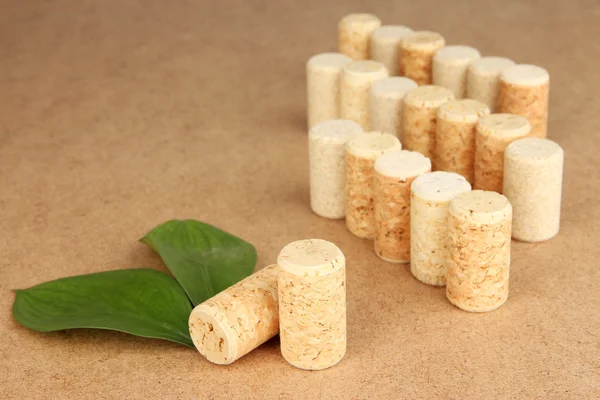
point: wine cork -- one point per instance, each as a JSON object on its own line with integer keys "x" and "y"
{"x": 524, "y": 90}
{"x": 455, "y": 136}
{"x": 431, "y": 194}
{"x": 323, "y": 86}
{"x": 385, "y": 104}
{"x": 393, "y": 174}
{"x": 354, "y": 35}
{"x": 419, "y": 117}
{"x": 361, "y": 152}
{"x": 239, "y": 319}
{"x": 385, "y": 46}
{"x": 483, "y": 79}
{"x": 533, "y": 172}
{"x": 479, "y": 251}
{"x": 493, "y": 133}
{"x": 312, "y": 304}
{"x": 354, "y": 90}
{"x": 417, "y": 50}
{"x": 450, "y": 68}
{"x": 327, "y": 170}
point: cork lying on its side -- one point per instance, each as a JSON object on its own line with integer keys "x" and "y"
{"x": 479, "y": 230}
{"x": 385, "y": 46}
{"x": 385, "y": 104}
{"x": 417, "y": 50}
{"x": 237, "y": 320}
{"x": 483, "y": 79}
{"x": 354, "y": 35}
{"x": 450, "y": 68}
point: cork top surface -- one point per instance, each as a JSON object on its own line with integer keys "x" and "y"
{"x": 402, "y": 164}
{"x": 372, "y": 144}
{"x": 503, "y": 125}
{"x": 335, "y": 130}
{"x": 465, "y": 110}
{"x": 365, "y": 67}
{"x": 533, "y": 150}
{"x": 360, "y": 19}
{"x": 333, "y": 61}
{"x": 490, "y": 65}
{"x": 439, "y": 186}
{"x": 525, "y": 75}
{"x": 423, "y": 40}
{"x": 393, "y": 87}
{"x": 311, "y": 256}
{"x": 391, "y": 32}
{"x": 481, "y": 206}
{"x": 216, "y": 340}
{"x": 457, "y": 54}
{"x": 428, "y": 96}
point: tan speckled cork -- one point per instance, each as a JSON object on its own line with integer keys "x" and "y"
{"x": 450, "y": 68}
{"x": 479, "y": 229}
{"x": 455, "y": 136}
{"x": 239, "y": 319}
{"x": 312, "y": 304}
{"x": 416, "y": 59}
{"x": 361, "y": 152}
{"x": 385, "y": 46}
{"x": 354, "y": 90}
{"x": 533, "y": 171}
{"x": 354, "y": 35}
{"x": 393, "y": 174}
{"x": 483, "y": 79}
{"x": 323, "y": 73}
{"x": 524, "y": 90}
{"x": 431, "y": 194}
{"x": 493, "y": 133}
{"x": 385, "y": 104}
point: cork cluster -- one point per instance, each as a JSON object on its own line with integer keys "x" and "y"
{"x": 450, "y": 65}
{"x": 385, "y": 46}
{"x": 483, "y": 79}
{"x": 354, "y": 35}
{"x": 385, "y": 103}
{"x": 417, "y": 51}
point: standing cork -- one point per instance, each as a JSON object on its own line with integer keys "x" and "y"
{"x": 524, "y": 90}
{"x": 385, "y": 46}
{"x": 483, "y": 79}
{"x": 493, "y": 133}
{"x": 361, "y": 152}
{"x": 323, "y": 86}
{"x": 327, "y": 168}
{"x": 533, "y": 171}
{"x": 450, "y": 68}
{"x": 455, "y": 136}
{"x": 354, "y": 35}
{"x": 417, "y": 50}
{"x": 312, "y": 304}
{"x": 479, "y": 251}
{"x": 394, "y": 173}
{"x": 354, "y": 92}
{"x": 385, "y": 104}
{"x": 239, "y": 319}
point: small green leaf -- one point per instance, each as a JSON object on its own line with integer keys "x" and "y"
{"x": 204, "y": 259}
{"x": 142, "y": 302}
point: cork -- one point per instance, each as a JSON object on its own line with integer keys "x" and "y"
{"x": 419, "y": 117}
{"x": 493, "y": 133}
{"x": 385, "y": 46}
{"x": 483, "y": 79}
{"x": 455, "y": 136}
{"x": 385, "y": 104}
{"x": 479, "y": 229}
{"x": 431, "y": 194}
{"x": 533, "y": 174}
{"x": 394, "y": 172}
{"x": 450, "y": 68}
{"x": 239, "y": 319}
{"x": 354, "y": 35}
{"x": 312, "y": 304}
{"x": 361, "y": 152}
{"x": 327, "y": 168}
{"x": 524, "y": 90}
{"x": 323, "y": 86}
{"x": 354, "y": 90}
{"x": 417, "y": 50}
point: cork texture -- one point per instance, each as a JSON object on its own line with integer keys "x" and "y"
{"x": 417, "y": 52}
{"x": 354, "y": 35}
{"x": 449, "y": 68}
{"x": 483, "y": 79}
{"x": 385, "y": 104}
{"x": 385, "y": 46}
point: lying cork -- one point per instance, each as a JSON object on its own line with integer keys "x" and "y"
{"x": 312, "y": 304}
{"x": 385, "y": 46}
{"x": 479, "y": 251}
{"x": 450, "y": 68}
{"x": 385, "y": 104}
{"x": 239, "y": 319}
{"x": 417, "y": 50}
{"x": 483, "y": 79}
{"x": 354, "y": 35}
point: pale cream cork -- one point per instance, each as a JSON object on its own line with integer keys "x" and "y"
{"x": 393, "y": 174}
{"x": 419, "y": 117}
{"x": 450, "y": 68}
{"x": 417, "y": 50}
{"x": 483, "y": 79}
{"x": 431, "y": 194}
{"x": 327, "y": 167}
{"x": 524, "y": 90}
{"x": 361, "y": 152}
{"x": 354, "y": 35}
{"x": 385, "y": 104}
{"x": 493, "y": 133}
{"x": 312, "y": 304}
{"x": 239, "y": 319}
{"x": 479, "y": 230}
{"x": 385, "y": 46}
{"x": 354, "y": 90}
{"x": 533, "y": 174}
{"x": 455, "y": 136}
{"x": 323, "y": 73}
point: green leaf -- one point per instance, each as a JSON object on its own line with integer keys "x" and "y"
{"x": 204, "y": 259}
{"x": 142, "y": 302}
